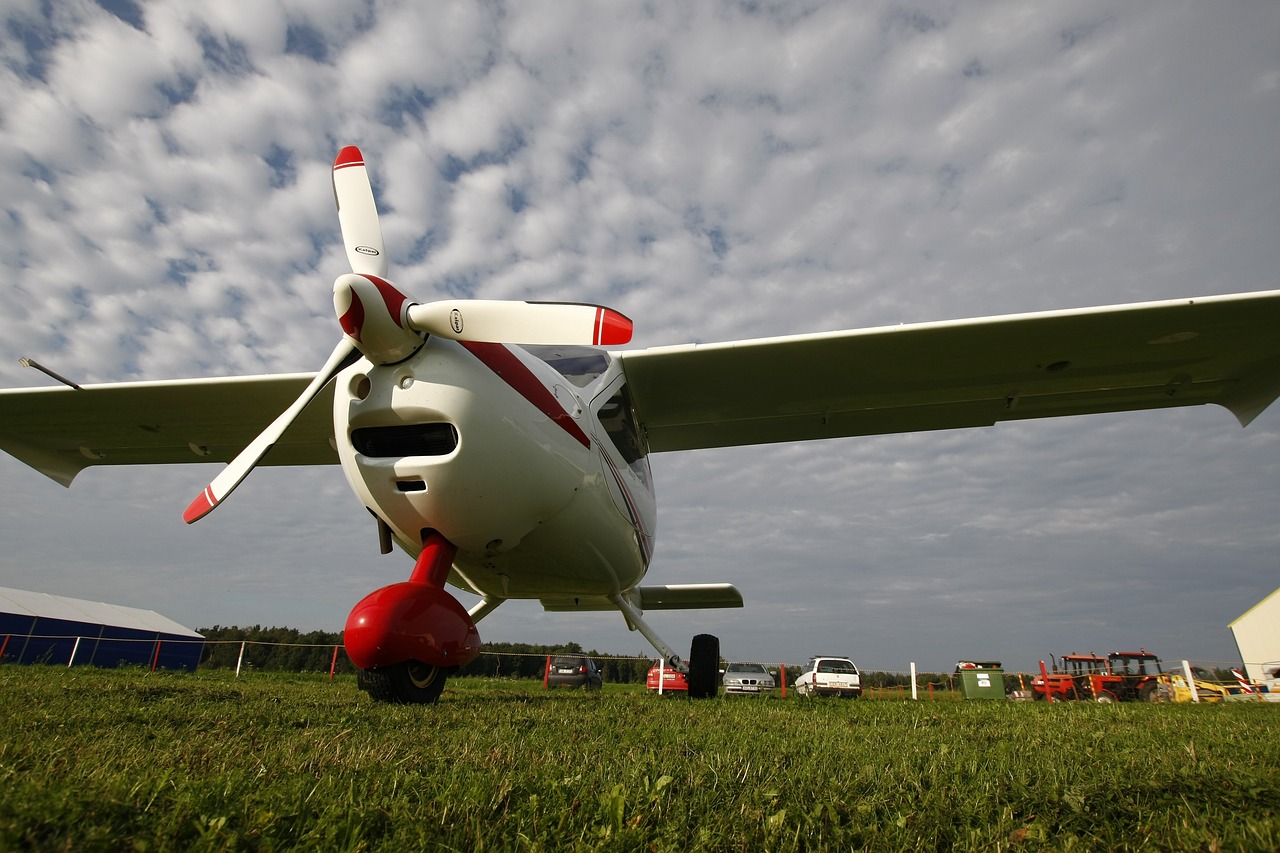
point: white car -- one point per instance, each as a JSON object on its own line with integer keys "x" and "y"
{"x": 829, "y": 676}
{"x": 751, "y": 679}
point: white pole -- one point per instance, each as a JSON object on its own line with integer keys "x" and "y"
{"x": 74, "y": 649}
{"x": 914, "y": 693}
{"x": 239, "y": 660}
{"x": 661, "y": 675}
{"x": 1191, "y": 681}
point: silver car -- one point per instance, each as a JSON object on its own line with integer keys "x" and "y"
{"x": 750, "y": 679}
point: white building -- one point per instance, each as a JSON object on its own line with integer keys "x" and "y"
{"x": 1257, "y": 635}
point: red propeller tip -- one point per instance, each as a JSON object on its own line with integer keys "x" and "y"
{"x": 349, "y": 156}
{"x": 612, "y": 328}
{"x": 199, "y": 508}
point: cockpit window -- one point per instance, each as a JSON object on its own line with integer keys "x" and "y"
{"x": 619, "y": 422}
{"x": 579, "y": 365}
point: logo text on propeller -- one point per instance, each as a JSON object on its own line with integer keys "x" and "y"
{"x": 455, "y": 321}
{"x": 366, "y": 250}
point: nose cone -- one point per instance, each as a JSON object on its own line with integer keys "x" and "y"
{"x": 373, "y": 315}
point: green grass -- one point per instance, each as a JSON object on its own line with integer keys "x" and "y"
{"x": 126, "y": 760}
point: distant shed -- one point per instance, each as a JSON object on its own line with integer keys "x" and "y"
{"x": 36, "y": 627}
{"x": 1257, "y": 634}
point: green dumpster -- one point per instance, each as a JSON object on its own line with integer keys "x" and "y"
{"x": 981, "y": 679}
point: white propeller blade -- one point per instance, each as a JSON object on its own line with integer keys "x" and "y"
{"x": 358, "y": 214}
{"x": 499, "y": 321}
{"x": 239, "y": 468}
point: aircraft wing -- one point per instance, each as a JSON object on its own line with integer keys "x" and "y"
{"x": 962, "y": 373}
{"x": 60, "y": 431}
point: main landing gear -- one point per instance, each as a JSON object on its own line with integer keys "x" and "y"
{"x": 407, "y": 638}
{"x": 702, "y": 673}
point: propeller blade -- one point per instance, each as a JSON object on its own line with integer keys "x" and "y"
{"x": 358, "y": 214}
{"x": 239, "y": 468}
{"x": 499, "y": 321}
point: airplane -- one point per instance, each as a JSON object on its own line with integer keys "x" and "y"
{"x": 505, "y": 445}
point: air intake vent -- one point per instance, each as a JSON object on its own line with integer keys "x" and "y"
{"x": 405, "y": 440}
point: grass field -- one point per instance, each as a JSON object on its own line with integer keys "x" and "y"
{"x": 127, "y": 760}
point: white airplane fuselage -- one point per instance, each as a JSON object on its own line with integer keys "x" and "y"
{"x": 507, "y": 459}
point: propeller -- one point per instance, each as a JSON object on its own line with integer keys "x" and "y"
{"x": 386, "y": 326}
{"x": 239, "y": 468}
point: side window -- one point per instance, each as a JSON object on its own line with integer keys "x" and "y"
{"x": 619, "y": 422}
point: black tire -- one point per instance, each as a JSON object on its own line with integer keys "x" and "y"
{"x": 704, "y": 667}
{"x": 410, "y": 683}
{"x": 1154, "y": 692}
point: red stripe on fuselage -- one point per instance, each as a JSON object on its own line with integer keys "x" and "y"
{"x": 512, "y": 371}
{"x": 643, "y": 539}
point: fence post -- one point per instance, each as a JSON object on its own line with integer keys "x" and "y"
{"x": 914, "y": 694}
{"x": 782, "y": 676}
{"x": 155, "y": 658}
{"x": 546, "y": 674}
{"x": 4, "y": 646}
{"x": 333, "y": 664}
{"x": 1191, "y": 681}
{"x": 662, "y": 676}
{"x": 75, "y": 648}
{"x": 240, "y": 659}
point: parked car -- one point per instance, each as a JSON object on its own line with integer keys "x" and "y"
{"x": 829, "y": 676}
{"x": 672, "y": 679}
{"x": 747, "y": 679}
{"x": 574, "y": 671}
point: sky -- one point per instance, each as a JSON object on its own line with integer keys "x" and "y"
{"x": 715, "y": 171}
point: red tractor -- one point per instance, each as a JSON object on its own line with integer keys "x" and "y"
{"x": 1136, "y": 677}
{"x": 1075, "y": 677}
{"x": 1118, "y": 677}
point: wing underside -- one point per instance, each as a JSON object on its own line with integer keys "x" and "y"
{"x": 965, "y": 373}
{"x": 59, "y": 431}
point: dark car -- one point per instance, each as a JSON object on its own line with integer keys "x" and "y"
{"x": 574, "y": 671}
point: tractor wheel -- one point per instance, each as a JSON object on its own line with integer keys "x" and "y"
{"x": 409, "y": 683}
{"x": 1106, "y": 697}
{"x": 704, "y": 667}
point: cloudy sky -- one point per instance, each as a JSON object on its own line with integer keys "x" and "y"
{"x": 716, "y": 171}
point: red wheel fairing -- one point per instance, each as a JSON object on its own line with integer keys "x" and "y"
{"x": 410, "y": 621}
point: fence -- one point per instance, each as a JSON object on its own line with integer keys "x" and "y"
{"x": 260, "y": 655}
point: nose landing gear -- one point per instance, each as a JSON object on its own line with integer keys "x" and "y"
{"x": 408, "y": 637}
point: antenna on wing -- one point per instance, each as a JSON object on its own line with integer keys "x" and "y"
{"x": 31, "y": 362}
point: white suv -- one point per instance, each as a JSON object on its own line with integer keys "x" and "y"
{"x": 829, "y": 676}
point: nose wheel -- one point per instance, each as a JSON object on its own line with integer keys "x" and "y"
{"x": 409, "y": 683}
{"x": 407, "y": 637}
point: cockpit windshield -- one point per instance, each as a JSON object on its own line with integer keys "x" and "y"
{"x": 580, "y": 365}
